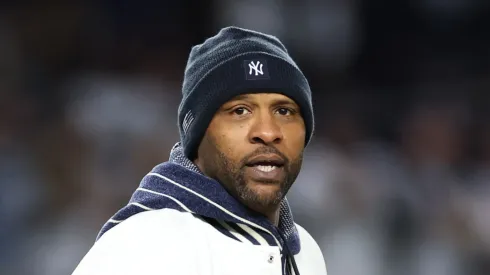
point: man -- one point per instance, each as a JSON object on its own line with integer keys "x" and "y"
{"x": 218, "y": 205}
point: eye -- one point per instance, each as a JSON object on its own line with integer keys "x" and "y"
{"x": 241, "y": 111}
{"x": 285, "y": 111}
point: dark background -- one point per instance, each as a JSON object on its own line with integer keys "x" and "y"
{"x": 397, "y": 180}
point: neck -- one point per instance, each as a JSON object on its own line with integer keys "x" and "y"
{"x": 274, "y": 217}
{"x": 272, "y": 213}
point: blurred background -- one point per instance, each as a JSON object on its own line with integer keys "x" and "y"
{"x": 397, "y": 180}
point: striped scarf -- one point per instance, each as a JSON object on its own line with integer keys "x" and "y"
{"x": 178, "y": 184}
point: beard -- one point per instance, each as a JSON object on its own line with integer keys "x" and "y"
{"x": 232, "y": 176}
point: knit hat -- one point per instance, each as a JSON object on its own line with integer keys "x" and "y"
{"x": 233, "y": 62}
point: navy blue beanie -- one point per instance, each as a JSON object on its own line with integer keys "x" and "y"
{"x": 233, "y": 62}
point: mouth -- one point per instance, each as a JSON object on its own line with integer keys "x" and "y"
{"x": 266, "y": 163}
{"x": 266, "y": 168}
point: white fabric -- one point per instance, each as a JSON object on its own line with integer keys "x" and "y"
{"x": 171, "y": 242}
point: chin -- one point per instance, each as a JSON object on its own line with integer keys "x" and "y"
{"x": 262, "y": 197}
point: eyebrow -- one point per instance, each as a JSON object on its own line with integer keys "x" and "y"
{"x": 241, "y": 97}
{"x": 282, "y": 101}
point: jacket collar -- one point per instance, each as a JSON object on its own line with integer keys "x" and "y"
{"x": 181, "y": 169}
{"x": 178, "y": 184}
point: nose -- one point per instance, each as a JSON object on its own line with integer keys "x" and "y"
{"x": 265, "y": 130}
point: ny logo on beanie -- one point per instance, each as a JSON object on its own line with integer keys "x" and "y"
{"x": 256, "y": 69}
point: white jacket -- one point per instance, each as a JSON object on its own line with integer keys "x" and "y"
{"x": 177, "y": 223}
{"x": 170, "y": 242}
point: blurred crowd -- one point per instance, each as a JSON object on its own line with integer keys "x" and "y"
{"x": 396, "y": 181}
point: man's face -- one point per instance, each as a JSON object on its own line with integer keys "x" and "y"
{"x": 254, "y": 148}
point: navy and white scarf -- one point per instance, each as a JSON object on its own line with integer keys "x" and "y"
{"x": 179, "y": 184}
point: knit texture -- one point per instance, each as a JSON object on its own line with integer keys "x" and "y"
{"x": 181, "y": 170}
{"x": 286, "y": 222}
{"x": 233, "y": 62}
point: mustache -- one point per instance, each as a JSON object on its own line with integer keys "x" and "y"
{"x": 262, "y": 151}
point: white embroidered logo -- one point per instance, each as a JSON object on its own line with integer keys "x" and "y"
{"x": 188, "y": 119}
{"x": 255, "y": 67}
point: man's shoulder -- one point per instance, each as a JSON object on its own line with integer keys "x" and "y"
{"x": 144, "y": 242}
{"x": 305, "y": 236}
{"x": 163, "y": 222}
{"x": 310, "y": 253}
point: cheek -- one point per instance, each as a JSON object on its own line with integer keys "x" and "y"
{"x": 229, "y": 133}
{"x": 229, "y": 142}
{"x": 295, "y": 140}
{"x": 231, "y": 145}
